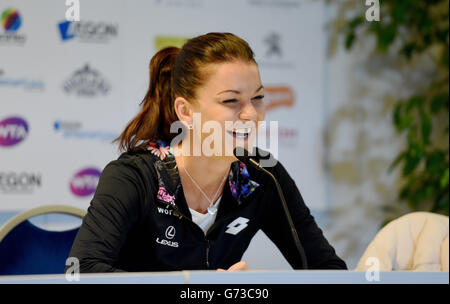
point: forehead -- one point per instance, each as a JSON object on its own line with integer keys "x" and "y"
{"x": 237, "y": 75}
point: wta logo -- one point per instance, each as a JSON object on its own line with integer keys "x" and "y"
{"x": 11, "y": 20}
{"x": 13, "y": 130}
{"x": 84, "y": 183}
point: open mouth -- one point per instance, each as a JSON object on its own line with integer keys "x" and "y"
{"x": 240, "y": 133}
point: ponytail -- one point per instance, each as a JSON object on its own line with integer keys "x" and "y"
{"x": 157, "y": 112}
{"x": 178, "y": 72}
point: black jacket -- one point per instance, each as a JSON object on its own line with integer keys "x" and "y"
{"x": 138, "y": 220}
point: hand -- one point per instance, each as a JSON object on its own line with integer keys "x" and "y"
{"x": 238, "y": 266}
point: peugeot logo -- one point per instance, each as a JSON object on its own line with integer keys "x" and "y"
{"x": 273, "y": 43}
{"x": 170, "y": 232}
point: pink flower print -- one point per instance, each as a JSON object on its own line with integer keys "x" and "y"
{"x": 165, "y": 196}
{"x": 158, "y": 150}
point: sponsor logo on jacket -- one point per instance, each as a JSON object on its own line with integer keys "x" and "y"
{"x": 164, "y": 211}
{"x": 169, "y": 234}
{"x": 237, "y": 225}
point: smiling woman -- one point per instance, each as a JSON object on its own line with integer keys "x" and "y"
{"x": 163, "y": 207}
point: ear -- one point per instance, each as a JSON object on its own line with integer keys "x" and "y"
{"x": 183, "y": 109}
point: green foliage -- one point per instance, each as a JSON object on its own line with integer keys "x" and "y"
{"x": 413, "y": 29}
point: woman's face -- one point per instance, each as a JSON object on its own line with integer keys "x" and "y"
{"x": 231, "y": 98}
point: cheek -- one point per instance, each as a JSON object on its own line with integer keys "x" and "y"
{"x": 216, "y": 112}
{"x": 261, "y": 113}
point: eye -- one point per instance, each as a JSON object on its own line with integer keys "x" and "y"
{"x": 259, "y": 97}
{"x": 230, "y": 101}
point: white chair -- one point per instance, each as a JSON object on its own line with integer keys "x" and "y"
{"x": 417, "y": 241}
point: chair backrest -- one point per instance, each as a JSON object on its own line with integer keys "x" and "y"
{"x": 417, "y": 241}
{"x": 28, "y": 249}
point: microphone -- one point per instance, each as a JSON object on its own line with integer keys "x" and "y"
{"x": 244, "y": 156}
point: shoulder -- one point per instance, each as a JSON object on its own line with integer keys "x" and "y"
{"x": 135, "y": 159}
{"x": 125, "y": 186}
{"x": 137, "y": 166}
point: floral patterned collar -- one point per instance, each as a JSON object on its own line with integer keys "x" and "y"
{"x": 239, "y": 180}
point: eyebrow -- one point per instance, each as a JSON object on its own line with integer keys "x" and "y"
{"x": 238, "y": 92}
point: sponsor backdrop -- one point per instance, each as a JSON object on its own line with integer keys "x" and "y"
{"x": 67, "y": 89}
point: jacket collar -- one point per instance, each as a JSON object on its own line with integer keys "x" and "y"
{"x": 240, "y": 184}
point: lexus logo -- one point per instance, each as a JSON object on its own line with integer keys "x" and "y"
{"x": 170, "y": 232}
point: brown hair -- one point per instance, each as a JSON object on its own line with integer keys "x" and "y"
{"x": 178, "y": 72}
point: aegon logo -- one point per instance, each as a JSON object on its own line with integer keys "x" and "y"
{"x": 12, "y": 131}
{"x": 88, "y": 31}
{"x": 23, "y": 182}
{"x": 85, "y": 182}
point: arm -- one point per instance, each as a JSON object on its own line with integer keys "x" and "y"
{"x": 114, "y": 209}
{"x": 319, "y": 253}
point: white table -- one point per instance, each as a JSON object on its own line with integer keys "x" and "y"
{"x": 241, "y": 277}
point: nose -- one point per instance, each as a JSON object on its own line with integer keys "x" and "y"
{"x": 248, "y": 112}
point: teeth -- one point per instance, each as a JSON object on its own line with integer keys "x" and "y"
{"x": 240, "y": 135}
{"x": 242, "y": 131}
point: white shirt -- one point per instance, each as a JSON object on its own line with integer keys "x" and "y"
{"x": 205, "y": 221}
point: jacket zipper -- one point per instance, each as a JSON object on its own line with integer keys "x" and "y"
{"x": 207, "y": 253}
{"x": 178, "y": 214}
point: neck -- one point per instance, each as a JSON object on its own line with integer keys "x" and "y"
{"x": 215, "y": 166}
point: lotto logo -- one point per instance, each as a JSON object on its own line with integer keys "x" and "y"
{"x": 237, "y": 225}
